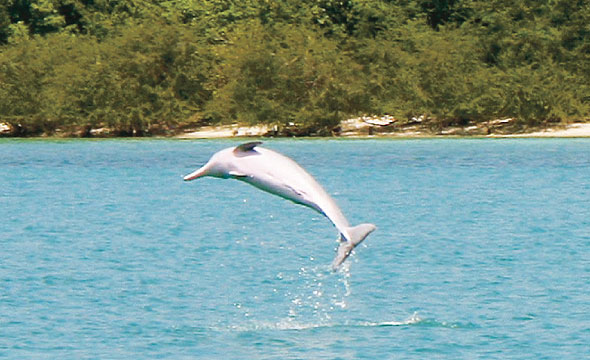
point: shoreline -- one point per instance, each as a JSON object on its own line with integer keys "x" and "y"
{"x": 358, "y": 129}
{"x": 574, "y": 130}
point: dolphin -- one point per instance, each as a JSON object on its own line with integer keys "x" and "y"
{"x": 277, "y": 174}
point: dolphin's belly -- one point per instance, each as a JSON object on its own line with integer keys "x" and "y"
{"x": 287, "y": 191}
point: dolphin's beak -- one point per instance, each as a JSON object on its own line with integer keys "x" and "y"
{"x": 196, "y": 174}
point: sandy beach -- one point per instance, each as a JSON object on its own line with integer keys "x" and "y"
{"x": 571, "y": 130}
{"x": 356, "y": 128}
{"x": 225, "y": 131}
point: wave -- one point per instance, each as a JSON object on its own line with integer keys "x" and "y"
{"x": 291, "y": 324}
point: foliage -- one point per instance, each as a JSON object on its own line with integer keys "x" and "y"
{"x": 141, "y": 67}
{"x": 294, "y": 77}
{"x": 139, "y": 81}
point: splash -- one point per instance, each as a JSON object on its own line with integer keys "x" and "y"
{"x": 322, "y": 295}
{"x": 324, "y": 299}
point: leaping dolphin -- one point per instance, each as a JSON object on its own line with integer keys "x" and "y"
{"x": 279, "y": 175}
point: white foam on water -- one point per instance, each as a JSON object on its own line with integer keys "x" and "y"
{"x": 293, "y": 324}
{"x": 412, "y": 320}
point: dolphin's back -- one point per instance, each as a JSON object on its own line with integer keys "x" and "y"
{"x": 278, "y": 174}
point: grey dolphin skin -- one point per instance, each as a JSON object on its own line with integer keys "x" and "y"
{"x": 279, "y": 175}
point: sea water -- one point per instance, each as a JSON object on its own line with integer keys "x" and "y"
{"x": 482, "y": 252}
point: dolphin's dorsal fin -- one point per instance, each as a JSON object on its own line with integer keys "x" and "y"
{"x": 246, "y": 147}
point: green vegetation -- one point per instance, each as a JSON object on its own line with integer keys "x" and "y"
{"x": 140, "y": 67}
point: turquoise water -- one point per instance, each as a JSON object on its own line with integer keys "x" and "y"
{"x": 482, "y": 252}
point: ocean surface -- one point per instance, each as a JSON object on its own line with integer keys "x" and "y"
{"x": 482, "y": 252}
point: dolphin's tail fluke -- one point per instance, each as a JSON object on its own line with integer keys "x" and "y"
{"x": 349, "y": 239}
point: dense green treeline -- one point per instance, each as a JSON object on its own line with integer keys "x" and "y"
{"x": 143, "y": 67}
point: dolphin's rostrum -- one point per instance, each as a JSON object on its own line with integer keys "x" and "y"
{"x": 279, "y": 175}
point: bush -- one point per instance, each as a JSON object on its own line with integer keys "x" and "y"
{"x": 283, "y": 76}
{"x": 150, "y": 76}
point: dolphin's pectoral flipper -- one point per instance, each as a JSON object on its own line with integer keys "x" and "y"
{"x": 246, "y": 148}
{"x": 349, "y": 239}
{"x": 237, "y": 174}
